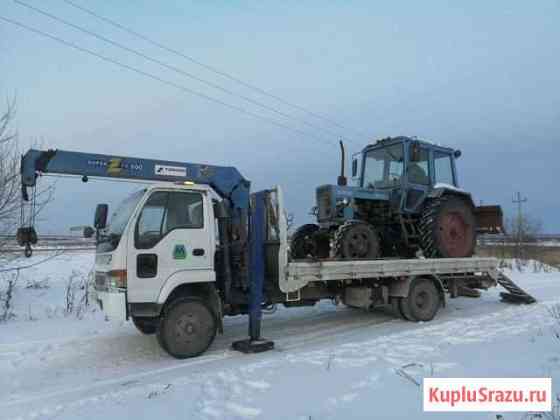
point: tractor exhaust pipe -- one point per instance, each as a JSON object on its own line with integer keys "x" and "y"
{"x": 342, "y": 181}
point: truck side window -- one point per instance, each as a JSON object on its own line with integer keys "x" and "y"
{"x": 418, "y": 170}
{"x": 166, "y": 211}
{"x": 443, "y": 168}
{"x": 149, "y": 229}
{"x": 184, "y": 210}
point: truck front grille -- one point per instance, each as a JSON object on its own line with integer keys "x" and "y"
{"x": 100, "y": 281}
{"x": 324, "y": 204}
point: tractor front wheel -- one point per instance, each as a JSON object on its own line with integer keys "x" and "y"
{"x": 309, "y": 241}
{"x": 356, "y": 240}
{"x": 303, "y": 243}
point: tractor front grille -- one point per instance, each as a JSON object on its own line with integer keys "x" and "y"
{"x": 324, "y": 204}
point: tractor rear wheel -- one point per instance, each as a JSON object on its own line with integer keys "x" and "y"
{"x": 355, "y": 239}
{"x": 448, "y": 228}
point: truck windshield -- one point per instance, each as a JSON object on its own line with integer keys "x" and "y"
{"x": 110, "y": 237}
{"x": 383, "y": 167}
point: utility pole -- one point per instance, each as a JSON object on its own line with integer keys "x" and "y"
{"x": 519, "y": 201}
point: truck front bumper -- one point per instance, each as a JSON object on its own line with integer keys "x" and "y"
{"x": 113, "y": 304}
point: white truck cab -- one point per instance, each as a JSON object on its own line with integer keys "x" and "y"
{"x": 158, "y": 238}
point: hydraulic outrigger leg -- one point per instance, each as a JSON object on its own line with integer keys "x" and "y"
{"x": 255, "y": 343}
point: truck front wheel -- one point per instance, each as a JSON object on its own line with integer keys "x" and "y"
{"x": 422, "y": 302}
{"x": 187, "y": 328}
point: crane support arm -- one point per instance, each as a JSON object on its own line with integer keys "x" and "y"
{"x": 225, "y": 180}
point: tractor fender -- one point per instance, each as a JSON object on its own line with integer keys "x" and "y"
{"x": 400, "y": 287}
{"x": 440, "y": 190}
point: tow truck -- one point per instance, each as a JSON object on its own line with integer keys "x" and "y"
{"x": 194, "y": 245}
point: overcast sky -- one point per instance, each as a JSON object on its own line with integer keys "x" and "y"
{"x": 480, "y": 76}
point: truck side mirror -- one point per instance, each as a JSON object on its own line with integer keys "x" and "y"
{"x": 354, "y": 168}
{"x": 457, "y": 154}
{"x": 100, "y": 219}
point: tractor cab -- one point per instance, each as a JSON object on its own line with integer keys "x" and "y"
{"x": 407, "y": 167}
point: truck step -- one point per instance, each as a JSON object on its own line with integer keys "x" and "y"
{"x": 516, "y": 294}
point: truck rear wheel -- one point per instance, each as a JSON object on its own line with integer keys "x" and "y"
{"x": 422, "y": 302}
{"x": 448, "y": 228}
{"x": 396, "y": 304}
{"x": 187, "y": 328}
{"x": 146, "y": 326}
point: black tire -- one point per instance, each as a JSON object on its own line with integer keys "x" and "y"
{"x": 146, "y": 326}
{"x": 187, "y": 328}
{"x": 448, "y": 228}
{"x": 404, "y": 311}
{"x": 423, "y": 301}
{"x": 356, "y": 240}
{"x": 303, "y": 243}
{"x": 396, "y": 306}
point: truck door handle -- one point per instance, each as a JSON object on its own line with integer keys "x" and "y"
{"x": 198, "y": 252}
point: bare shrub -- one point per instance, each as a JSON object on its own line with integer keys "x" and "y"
{"x": 554, "y": 311}
{"x": 7, "y": 295}
{"x": 523, "y": 232}
{"x": 77, "y": 294}
{"x": 10, "y": 181}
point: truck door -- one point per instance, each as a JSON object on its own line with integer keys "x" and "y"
{"x": 172, "y": 236}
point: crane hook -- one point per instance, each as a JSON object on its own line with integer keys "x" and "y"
{"x": 28, "y": 251}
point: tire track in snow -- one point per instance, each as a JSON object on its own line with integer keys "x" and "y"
{"x": 136, "y": 381}
{"x": 294, "y": 334}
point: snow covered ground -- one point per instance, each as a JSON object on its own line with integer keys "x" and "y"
{"x": 329, "y": 362}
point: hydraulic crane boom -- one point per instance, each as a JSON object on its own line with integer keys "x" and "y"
{"x": 225, "y": 180}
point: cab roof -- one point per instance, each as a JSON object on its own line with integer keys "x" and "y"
{"x": 389, "y": 141}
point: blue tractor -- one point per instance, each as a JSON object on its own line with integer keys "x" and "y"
{"x": 406, "y": 199}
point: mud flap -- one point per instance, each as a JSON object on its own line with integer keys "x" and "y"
{"x": 489, "y": 219}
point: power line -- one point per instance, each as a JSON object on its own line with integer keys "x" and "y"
{"x": 213, "y": 69}
{"x": 159, "y": 79}
{"x": 168, "y": 66}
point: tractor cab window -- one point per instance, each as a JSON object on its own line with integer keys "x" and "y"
{"x": 166, "y": 211}
{"x": 383, "y": 167}
{"x": 443, "y": 168}
{"x": 418, "y": 167}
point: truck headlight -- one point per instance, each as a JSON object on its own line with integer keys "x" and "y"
{"x": 117, "y": 279}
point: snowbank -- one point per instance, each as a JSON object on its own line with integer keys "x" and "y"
{"x": 330, "y": 362}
